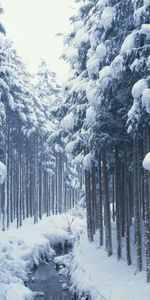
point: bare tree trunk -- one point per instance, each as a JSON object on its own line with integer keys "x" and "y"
{"x": 3, "y": 205}
{"x": 100, "y": 214}
{"x": 93, "y": 198}
{"x": 8, "y": 165}
{"x": 40, "y": 190}
{"x": 56, "y": 185}
{"x": 118, "y": 206}
{"x": 88, "y": 204}
{"x": 127, "y": 212}
{"x": 147, "y": 206}
{"x": 137, "y": 220}
{"x": 53, "y": 195}
{"x": 113, "y": 198}
{"x": 20, "y": 175}
{"x": 108, "y": 237}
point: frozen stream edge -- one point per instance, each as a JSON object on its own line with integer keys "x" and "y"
{"x": 50, "y": 280}
{"x": 27, "y": 246}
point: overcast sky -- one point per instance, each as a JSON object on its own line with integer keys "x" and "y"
{"x": 33, "y": 24}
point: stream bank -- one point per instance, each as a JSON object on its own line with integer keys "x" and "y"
{"x": 50, "y": 280}
{"x": 28, "y": 246}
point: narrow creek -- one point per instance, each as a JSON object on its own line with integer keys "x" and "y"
{"x": 46, "y": 279}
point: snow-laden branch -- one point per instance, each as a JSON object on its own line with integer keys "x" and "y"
{"x": 146, "y": 162}
{"x": 3, "y": 173}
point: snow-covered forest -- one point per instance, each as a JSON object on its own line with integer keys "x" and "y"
{"x": 81, "y": 146}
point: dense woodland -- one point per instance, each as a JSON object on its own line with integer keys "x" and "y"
{"x": 97, "y": 124}
{"x": 108, "y": 102}
{"x": 40, "y": 176}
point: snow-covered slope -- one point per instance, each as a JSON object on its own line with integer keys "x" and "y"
{"x": 103, "y": 278}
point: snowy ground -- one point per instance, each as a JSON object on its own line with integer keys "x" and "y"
{"x": 22, "y": 248}
{"x": 103, "y": 278}
{"x": 92, "y": 272}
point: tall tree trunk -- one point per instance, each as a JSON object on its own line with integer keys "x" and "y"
{"x": 100, "y": 205}
{"x": 108, "y": 236}
{"x": 113, "y": 198}
{"x": 3, "y": 189}
{"x": 127, "y": 211}
{"x": 93, "y": 198}
{"x": 118, "y": 204}
{"x": 147, "y": 206}
{"x": 137, "y": 220}
{"x": 20, "y": 175}
{"x": 88, "y": 204}
{"x": 8, "y": 165}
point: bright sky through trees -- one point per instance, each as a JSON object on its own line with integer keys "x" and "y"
{"x": 33, "y": 24}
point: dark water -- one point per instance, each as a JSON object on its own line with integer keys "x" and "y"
{"x": 46, "y": 280}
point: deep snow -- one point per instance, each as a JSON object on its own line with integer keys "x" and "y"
{"x": 103, "y": 278}
{"x": 92, "y": 272}
{"x": 21, "y": 249}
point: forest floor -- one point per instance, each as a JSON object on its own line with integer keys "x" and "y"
{"x": 103, "y": 278}
{"x": 92, "y": 272}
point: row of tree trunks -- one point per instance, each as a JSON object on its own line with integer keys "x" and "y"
{"x": 120, "y": 195}
{"x": 31, "y": 189}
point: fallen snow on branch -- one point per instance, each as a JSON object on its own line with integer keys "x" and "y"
{"x": 3, "y": 172}
{"x": 146, "y": 162}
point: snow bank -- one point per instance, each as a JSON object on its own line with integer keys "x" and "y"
{"x": 27, "y": 246}
{"x": 17, "y": 291}
{"x": 94, "y": 274}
